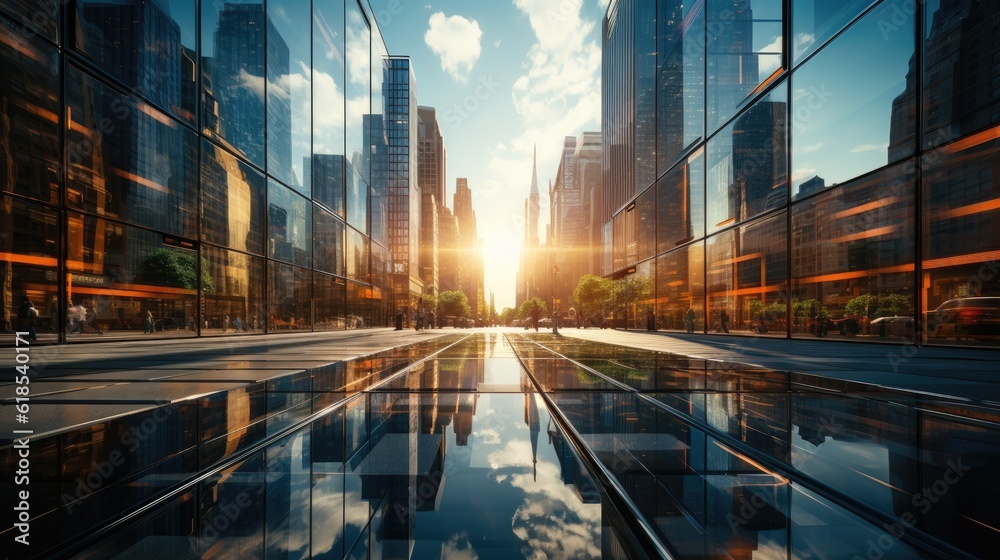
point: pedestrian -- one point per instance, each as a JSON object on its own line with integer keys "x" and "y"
{"x": 26, "y": 316}
{"x": 238, "y": 323}
{"x": 430, "y": 319}
{"x": 535, "y": 311}
{"x": 225, "y": 323}
{"x": 724, "y": 321}
{"x": 399, "y": 320}
{"x": 420, "y": 318}
{"x": 689, "y": 320}
{"x": 149, "y": 323}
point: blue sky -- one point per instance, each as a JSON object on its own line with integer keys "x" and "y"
{"x": 504, "y": 75}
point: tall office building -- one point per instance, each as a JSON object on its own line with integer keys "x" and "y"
{"x": 566, "y": 221}
{"x": 431, "y": 173}
{"x": 206, "y": 179}
{"x": 403, "y": 185}
{"x": 470, "y": 260}
{"x": 767, "y": 189}
{"x": 529, "y": 274}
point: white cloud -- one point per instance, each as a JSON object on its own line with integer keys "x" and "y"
{"x": 803, "y": 173}
{"x": 868, "y": 148}
{"x": 496, "y": 44}
{"x": 457, "y": 42}
{"x": 768, "y": 64}
{"x": 603, "y": 3}
{"x": 809, "y": 149}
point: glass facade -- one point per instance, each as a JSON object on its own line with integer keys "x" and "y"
{"x": 177, "y": 168}
{"x": 820, "y": 169}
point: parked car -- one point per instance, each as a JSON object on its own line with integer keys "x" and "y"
{"x": 899, "y": 325}
{"x": 969, "y": 317}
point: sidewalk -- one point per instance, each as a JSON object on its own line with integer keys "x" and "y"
{"x": 963, "y": 373}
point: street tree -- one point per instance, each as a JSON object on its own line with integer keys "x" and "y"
{"x": 453, "y": 303}
{"x": 592, "y": 295}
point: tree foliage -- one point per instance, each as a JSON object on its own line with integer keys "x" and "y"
{"x": 453, "y": 303}
{"x": 525, "y": 310}
{"x": 592, "y": 294}
{"x": 174, "y": 269}
{"x": 508, "y": 315}
{"x": 874, "y": 306}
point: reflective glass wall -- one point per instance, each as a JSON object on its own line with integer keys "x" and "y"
{"x": 176, "y": 168}
{"x": 820, "y": 169}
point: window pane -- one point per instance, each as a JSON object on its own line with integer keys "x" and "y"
{"x": 328, "y": 242}
{"x": 636, "y": 292}
{"x": 852, "y": 105}
{"x": 331, "y": 297}
{"x": 680, "y": 286}
{"x": 117, "y": 275}
{"x": 359, "y": 99}
{"x": 744, "y": 49}
{"x": 680, "y": 200}
{"x": 148, "y": 45}
{"x": 359, "y": 306}
{"x": 852, "y": 258}
{"x": 747, "y": 163}
{"x": 381, "y": 285}
{"x": 289, "y": 92}
{"x": 961, "y": 250}
{"x": 29, "y": 89}
{"x": 127, "y": 160}
{"x": 357, "y": 256}
{"x": 45, "y": 20}
{"x": 289, "y": 290}
{"x": 645, "y": 110}
{"x": 961, "y": 70}
{"x": 646, "y": 223}
{"x": 233, "y": 52}
{"x": 29, "y": 242}
{"x": 326, "y": 169}
{"x": 232, "y": 201}
{"x": 747, "y": 272}
{"x": 815, "y": 21}
{"x": 289, "y": 226}
{"x": 681, "y": 67}
{"x": 234, "y": 301}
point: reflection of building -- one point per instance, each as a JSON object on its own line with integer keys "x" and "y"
{"x": 238, "y": 68}
{"x": 158, "y": 156}
{"x": 850, "y": 248}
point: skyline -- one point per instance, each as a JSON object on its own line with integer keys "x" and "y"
{"x": 502, "y": 68}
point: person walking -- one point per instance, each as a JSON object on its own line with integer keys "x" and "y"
{"x": 689, "y": 320}
{"x": 420, "y": 318}
{"x": 149, "y": 323}
{"x": 26, "y": 316}
{"x": 724, "y": 321}
{"x": 534, "y": 313}
{"x": 399, "y": 320}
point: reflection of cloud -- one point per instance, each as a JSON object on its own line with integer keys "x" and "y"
{"x": 552, "y": 521}
{"x": 328, "y": 122}
{"x": 252, "y": 83}
{"x": 489, "y": 436}
{"x": 458, "y": 547}
{"x": 868, "y": 148}
{"x": 768, "y": 64}
{"x": 515, "y": 454}
{"x": 803, "y": 173}
{"x": 803, "y": 40}
{"x": 456, "y": 41}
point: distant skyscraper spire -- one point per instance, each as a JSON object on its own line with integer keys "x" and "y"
{"x": 534, "y": 207}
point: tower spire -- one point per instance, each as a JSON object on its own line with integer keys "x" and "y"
{"x": 534, "y": 170}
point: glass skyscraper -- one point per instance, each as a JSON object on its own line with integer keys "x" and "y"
{"x": 212, "y": 184}
{"x": 803, "y": 168}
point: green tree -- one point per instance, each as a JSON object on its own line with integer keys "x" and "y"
{"x": 508, "y": 315}
{"x": 877, "y": 305}
{"x": 453, "y": 303}
{"x": 525, "y": 310}
{"x": 592, "y": 294}
{"x": 174, "y": 269}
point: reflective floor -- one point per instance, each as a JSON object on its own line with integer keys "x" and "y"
{"x": 532, "y": 446}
